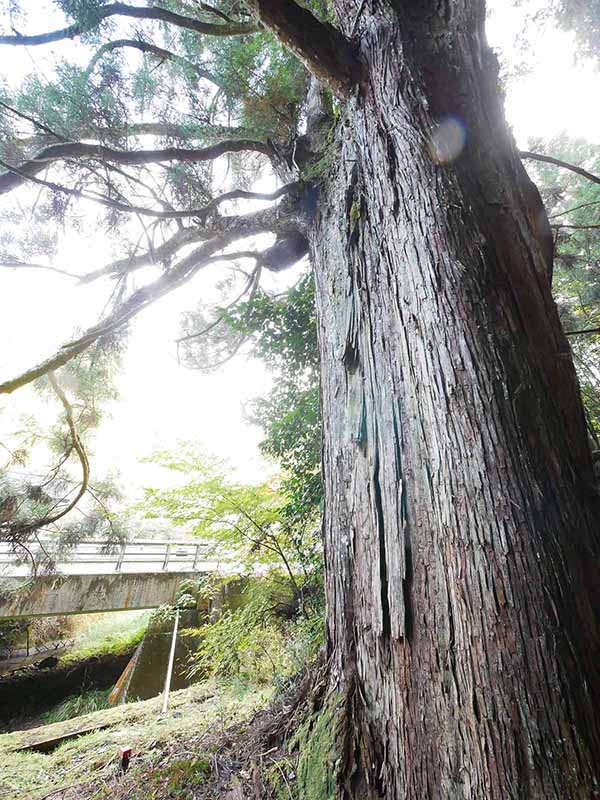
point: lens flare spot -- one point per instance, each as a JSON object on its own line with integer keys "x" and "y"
{"x": 447, "y": 140}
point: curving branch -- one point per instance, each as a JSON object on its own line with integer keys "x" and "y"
{"x": 165, "y": 130}
{"x": 119, "y": 205}
{"x": 152, "y": 49}
{"x": 526, "y": 154}
{"x": 227, "y": 230}
{"x": 216, "y": 11}
{"x": 250, "y": 284}
{"x": 96, "y": 16}
{"x": 17, "y": 176}
{"x": 80, "y": 194}
{"x": 241, "y": 194}
{"x": 77, "y": 446}
{"x": 321, "y": 47}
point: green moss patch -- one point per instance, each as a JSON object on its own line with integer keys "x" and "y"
{"x": 169, "y": 751}
{"x": 321, "y": 742}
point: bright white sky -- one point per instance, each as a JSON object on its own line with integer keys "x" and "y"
{"x": 162, "y": 402}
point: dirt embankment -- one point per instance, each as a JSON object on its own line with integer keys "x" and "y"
{"x": 28, "y": 692}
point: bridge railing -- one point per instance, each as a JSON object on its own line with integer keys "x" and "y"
{"x": 90, "y": 556}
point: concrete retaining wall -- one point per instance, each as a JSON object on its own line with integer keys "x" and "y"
{"x": 49, "y": 595}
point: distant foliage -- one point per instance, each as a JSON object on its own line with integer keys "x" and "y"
{"x": 242, "y": 524}
{"x": 256, "y": 643}
{"x": 29, "y": 495}
{"x": 12, "y": 631}
{"x": 573, "y": 205}
{"x": 244, "y": 644}
{"x": 582, "y": 17}
{"x": 283, "y": 331}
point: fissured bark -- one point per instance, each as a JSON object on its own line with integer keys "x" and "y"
{"x": 461, "y": 528}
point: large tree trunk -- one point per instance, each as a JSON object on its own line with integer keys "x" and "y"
{"x": 461, "y": 527}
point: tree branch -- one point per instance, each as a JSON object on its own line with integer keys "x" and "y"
{"x": 250, "y": 283}
{"x": 229, "y": 230}
{"x": 77, "y": 446}
{"x": 123, "y": 10}
{"x": 15, "y": 264}
{"x": 16, "y": 176}
{"x": 152, "y": 49}
{"x": 558, "y": 163}
{"x": 583, "y": 330}
{"x": 574, "y": 208}
{"x": 325, "y": 52}
{"x": 36, "y": 123}
{"x": 558, "y": 227}
{"x": 159, "y": 255}
{"x": 241, "y": 194}
{"x": 253, "y": 285}
{"x": 109, "y": 202}
{"x": 276, "y": 547}
{"x": 217, "y": 12}
{"x": 51, "y": 518}
{"x": 162, "y": 253}
{"x": 170, "y": 130}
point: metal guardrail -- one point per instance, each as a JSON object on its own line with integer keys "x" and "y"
{"x": 36, "y": 649}
{"x": 159, "y": 556}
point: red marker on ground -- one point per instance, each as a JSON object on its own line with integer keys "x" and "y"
{"x": 125, "y": 753}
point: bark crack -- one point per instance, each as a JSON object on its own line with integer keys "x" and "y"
{"x": 386, "y": 625}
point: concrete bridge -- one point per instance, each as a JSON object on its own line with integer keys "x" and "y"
{"x": 96, "y": 577}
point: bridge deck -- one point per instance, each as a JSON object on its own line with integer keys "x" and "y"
{"x": 93, "y": 557}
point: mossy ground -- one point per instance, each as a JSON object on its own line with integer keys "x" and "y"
{"x": 218, "y": 740}
{"x": 172, "y": 754}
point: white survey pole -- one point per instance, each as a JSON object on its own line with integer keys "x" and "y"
{"x": 170, "y": 665}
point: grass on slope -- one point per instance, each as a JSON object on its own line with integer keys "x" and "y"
{"x": 115, "y": 632}
{"x": 88, "y": 767}
{"x": 77, "y": 705}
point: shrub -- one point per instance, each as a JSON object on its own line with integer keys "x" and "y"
{"x": 245, "y": 643}
{"x": 259, "y": 643}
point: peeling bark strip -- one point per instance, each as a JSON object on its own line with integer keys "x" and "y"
{"x": 461, "y": 528}
{"x": 322, "y": 48}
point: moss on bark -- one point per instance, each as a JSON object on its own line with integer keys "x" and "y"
{"x": 321, "y": 743}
